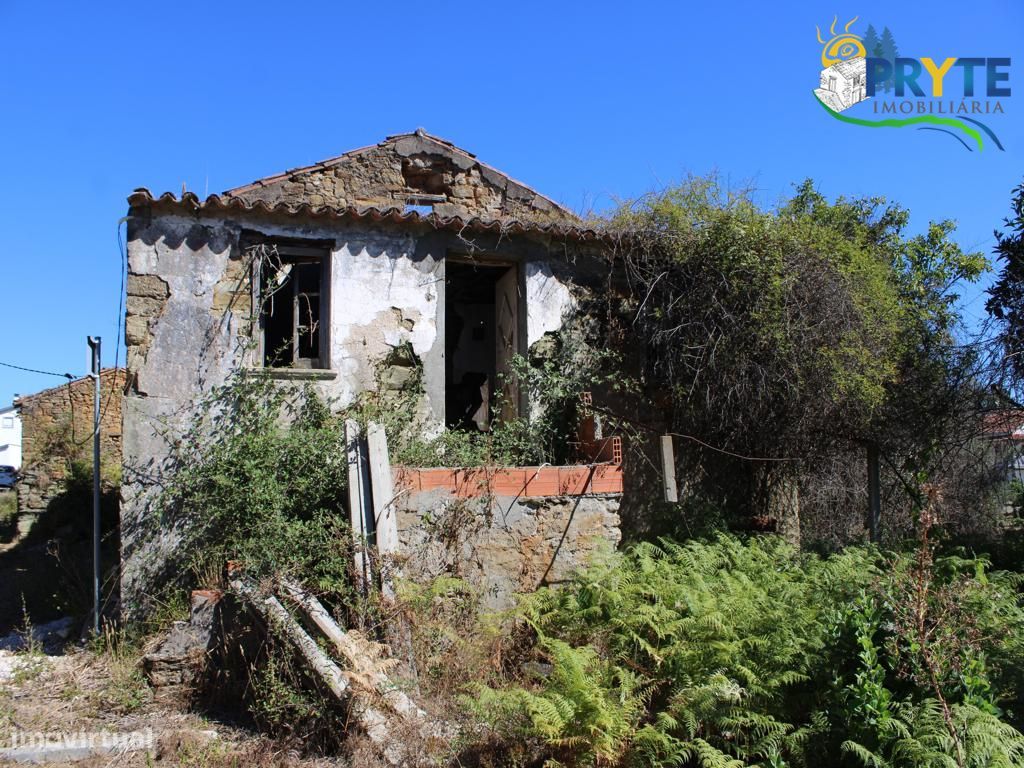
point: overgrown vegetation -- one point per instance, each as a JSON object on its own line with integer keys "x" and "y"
{"x": 746, "y": 652}
{"x": 547, "y": 433}
{"x": 776, "y": 345}
{"x": 261, "y": 479}
{"x": 8, "y": 514}
{"x": 795, "y": 337}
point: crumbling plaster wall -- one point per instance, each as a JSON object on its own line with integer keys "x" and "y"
{"x": 188, "y": 326}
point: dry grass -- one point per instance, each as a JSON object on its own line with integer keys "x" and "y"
{"x": 90, "y": 691}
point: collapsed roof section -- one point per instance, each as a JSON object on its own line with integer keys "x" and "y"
{"x": 408, "y": 171}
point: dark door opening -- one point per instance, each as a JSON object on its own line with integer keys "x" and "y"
{"x": 481, "y": 336}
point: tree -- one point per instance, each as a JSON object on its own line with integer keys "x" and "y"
{"x": 871, "y": 42}
{"x": 785, "y": 340}
{"x": 1006, "y": 297}
{"x": 887, "y": 50}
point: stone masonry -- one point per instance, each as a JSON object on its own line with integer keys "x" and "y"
{"x": 413, "y": 168}
{"x": 504, "y": 545}
{"x": 57, "y": 428}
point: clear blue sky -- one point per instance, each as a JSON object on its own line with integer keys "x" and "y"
{"x": 587, "y": 102}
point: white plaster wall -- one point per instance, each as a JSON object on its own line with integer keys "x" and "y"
{"x": 10, "y": 438}
{"x": 192, "y": 350}
{"x": 375, "y": 288}
{"x": 548, "y": 301}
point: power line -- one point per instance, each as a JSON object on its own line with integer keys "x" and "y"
{"x": 123, "y": 254}
{"x": 67, "y": 376}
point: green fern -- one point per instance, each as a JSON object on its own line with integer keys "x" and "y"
{"x": 748, "y": 653}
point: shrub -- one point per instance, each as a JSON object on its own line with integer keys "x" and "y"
{"x": 735, "y": 652}
{"x": 261, "y": 478}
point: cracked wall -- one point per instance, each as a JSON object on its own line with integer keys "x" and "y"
{"x": 189, "y": 324}
{"x": 503, "y": 546}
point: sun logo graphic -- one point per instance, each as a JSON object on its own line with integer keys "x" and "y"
{"x": 940, "y": 96}
{"x": 844, "y": 78}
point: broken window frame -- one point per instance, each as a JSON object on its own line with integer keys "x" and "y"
{"x": 265, "y": 251}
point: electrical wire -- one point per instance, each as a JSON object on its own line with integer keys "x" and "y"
{"x": 117, "y": 344}
{"x": 67, "y": 376}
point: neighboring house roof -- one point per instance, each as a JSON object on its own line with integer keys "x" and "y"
{"x": 1005, "y": 424}
{"x": 27, "y": 399}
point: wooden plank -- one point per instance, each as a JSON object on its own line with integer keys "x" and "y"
{"x": 370, "y": 719}
{"x": 270, "y": 608}
{"x": 362, "y": 663}
{"x": 358, "y": 502}
{"x": 668, "y": 468}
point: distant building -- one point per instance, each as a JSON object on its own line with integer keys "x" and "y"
{"x": 56, "y": 429}
{"x": 843, "y": 84}
{"x": 10, "y": 437}
{"x": 1005, "y": 428}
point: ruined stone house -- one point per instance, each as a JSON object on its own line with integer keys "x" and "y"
{"x": 411, "y": 244}
{"x": 57, "y": 428}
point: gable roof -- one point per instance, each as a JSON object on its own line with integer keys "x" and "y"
{"x": 407, "y": 169}
{"x": 105, "y": 373}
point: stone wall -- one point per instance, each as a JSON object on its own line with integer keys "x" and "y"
{"x": 503, "y": 545}
{"x": 411, "y": 168}
{"x": 57, "y": 427}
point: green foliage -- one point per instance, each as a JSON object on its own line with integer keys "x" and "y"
{"x": 1006, "y": 296}
{"x": 261, "y": 478}
{"x": 740, "y": 653}
{"x": 8, "y": 510}
{"x": 551, "y": 385}
{"x": 798, "y": 333}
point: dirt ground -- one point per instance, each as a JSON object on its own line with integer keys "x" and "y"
{"x": 87, "y": 692}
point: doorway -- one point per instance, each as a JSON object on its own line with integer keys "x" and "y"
{"x": 481, "y": 337}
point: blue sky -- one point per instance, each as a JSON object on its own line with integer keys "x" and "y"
{"x": 587, "y": 102}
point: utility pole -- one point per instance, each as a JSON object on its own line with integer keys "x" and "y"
{"x": 94, "y": 345}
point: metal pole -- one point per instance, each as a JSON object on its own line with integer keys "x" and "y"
{"x": 94, "y": 345}
{"x": 874, "y": 496}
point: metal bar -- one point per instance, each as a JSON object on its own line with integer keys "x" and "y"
{"x": 94, "y": 345}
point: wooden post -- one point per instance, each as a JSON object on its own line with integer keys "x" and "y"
{"x": 668, "y": 468}
{"x": 372, "y": 720}
{"x": 385, "y": 518}
{"x": 874, "y": 495}
{"x": 270, "y": 608}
